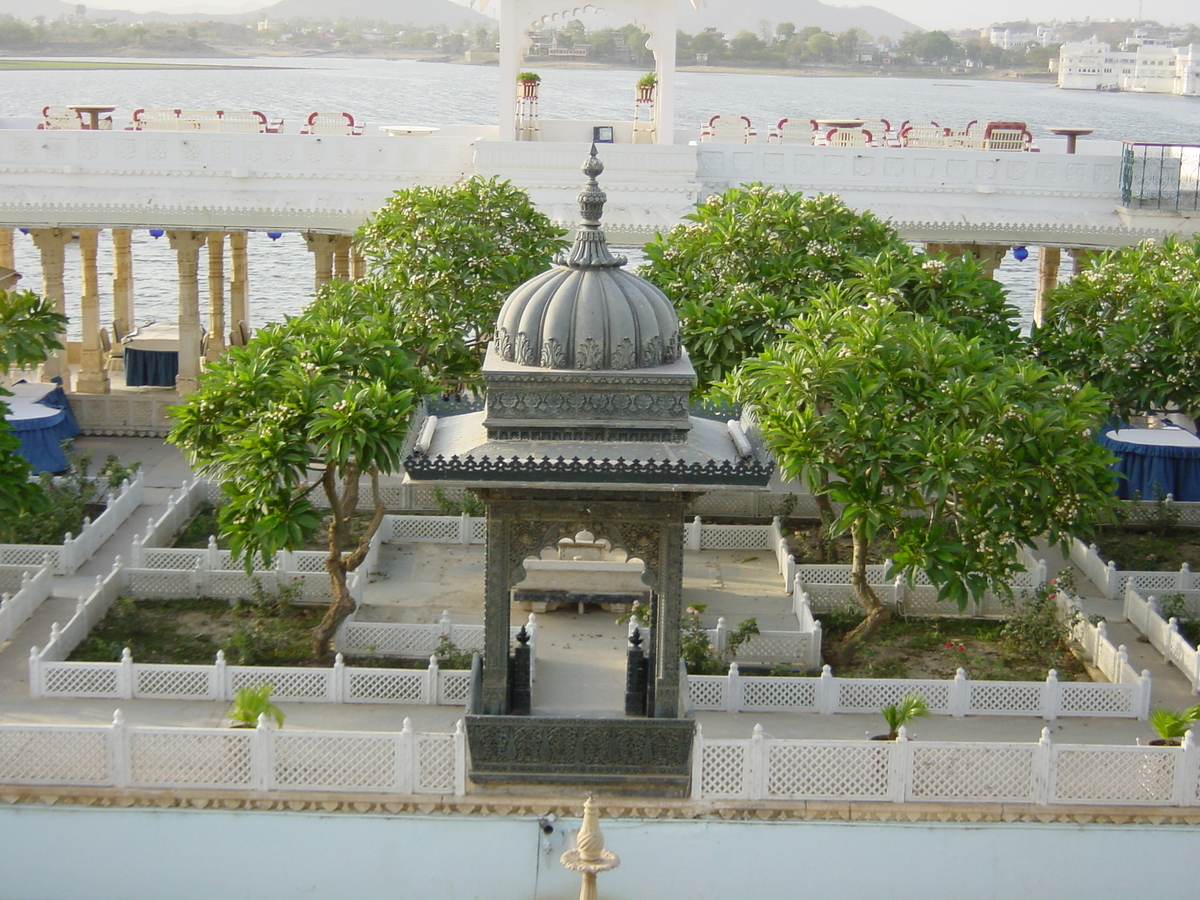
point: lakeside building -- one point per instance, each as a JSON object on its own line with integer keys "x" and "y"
{"x": 1145, "y": 67}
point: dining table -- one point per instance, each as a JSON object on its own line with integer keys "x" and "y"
{"x": 152, "y": 355}
{"x": 93, "y": 112}
{"x": 1154, "y": 462}
{"x": 40, "y": 417}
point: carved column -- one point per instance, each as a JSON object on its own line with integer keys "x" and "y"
{"x": 341, "y": 258}
{"x": 122, "y": 285}
{"x": 93, "y": 378}
{"x": 666, "y": 632}
{"x": 1049, "y": 259}
{"x": 216, "y": 296}
{"x": 1081, "y": 258}
{"x": 6, "y": 248}
{"x": 186, "y": 245}
{"x": 358, "y": 265}
{"x": 322, "y": 247}
{"x": 496, "y": 610}
{"x": 51, "y": 243}
{"x": 239, "y": 282}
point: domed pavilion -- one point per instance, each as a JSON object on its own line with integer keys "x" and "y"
{"x": 586, "y": 427}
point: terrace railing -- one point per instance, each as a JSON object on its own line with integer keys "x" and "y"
{"x": 1160, "y": 176}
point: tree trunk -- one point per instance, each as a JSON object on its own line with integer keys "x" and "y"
{"x": 876, "y": 612}
{"x": 829, "y": 552}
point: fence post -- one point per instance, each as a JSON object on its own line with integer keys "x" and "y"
{"x": 757, "y": 777}
{"x": 339, "y": 689}
{"x": 460, "y": 759}
{"x": 262, "y": 755}
{"x": 1173, "y": 635}
{"x": 212, "y": 554}
{"x": 1110, "y": 581}
{"x": 1122, "y": 664}
{"x": 899, "y": 767}
{"x": 429, "y": 690}
{"x": 125, "y": 675}
{"x": 405, "y": 757}
{"x": 733, "y": 689}
{"x": 1039, "y": 574}
{"x": 960, "y": 694}
{"x": 1051, "y": 697}
{"x": 66, "y": 562}
{"x": 826, "y": 692}
{"x": 1040, "y": 782}
{"x": 464, "y": 529}
{"x": 118, "y": 751}
{"x": 814, "y": 647}
{"x": 531, "y": 627}
{"x": 698, "y": 763}
{"x": 35, "y": 673}
{"x": 719, "y": 637}
{"x": 692, "y": 534}
{"x": 220, "y": 689}
{"x": 200, "y": 578}
{"x": 137, "y": 552}
{"x": 1184, "y": 579}
{"x": 1143, "y": 708}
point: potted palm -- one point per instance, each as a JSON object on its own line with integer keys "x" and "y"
{"x": 250, "y": 702}
{"x": 646, "y": 85}
{"x": 900, "y": 715}
{"x": 1171, "y": 725}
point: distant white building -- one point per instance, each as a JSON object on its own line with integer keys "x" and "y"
{"x": 1006, "y": 39}
{"x": 1152, "y": 68}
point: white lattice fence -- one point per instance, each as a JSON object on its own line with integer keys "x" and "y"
{"x": 24, "y": 591}
{"x": 906, "y": 771}
{"x": 416, "y": 641}
{"x": 1143, "y": 613}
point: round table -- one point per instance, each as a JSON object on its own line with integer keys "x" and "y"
{"x": 1071, "y": 133}
{"x": 1155, "y": 462}
{"x": 93, "y": 112}
{"x": 400, "y": 130}
{"x": 841, "y": 123}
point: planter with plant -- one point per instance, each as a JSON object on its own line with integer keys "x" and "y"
{"x": 646, "y": 85}
{"x": 1171, "y": 725}
{"x": 901, "y": 715}
{"x": 528, "y": 82}
{"x": 252, "y": 701}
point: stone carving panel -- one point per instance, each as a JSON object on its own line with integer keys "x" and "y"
{"x": 924, "y": 168}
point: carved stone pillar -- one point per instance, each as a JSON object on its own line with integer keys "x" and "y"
{"x": 239, "y": 282}
{"x": 498, "y": 575}
{"x": 341, "y": 258}
{"x": 322, "y": 247}
{"x": 186, "y": 245}
{"x": 1049, "y": 259}
{"x": 990, "y": 255}
{"x": 93, "y": 377}
{"x": 1081, "y": 258}
{"x": 6, "y": 248}
{"x": 216, "y": 295}
{"x": 122, "y": 286}
{"x": 51, "y": 244}
{"x": 358, "y": 265}
{"x": 669, "y": 599}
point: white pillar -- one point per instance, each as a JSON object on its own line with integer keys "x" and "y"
{"x": 216, "y": 295}
{"x": 512, "y": 42}
{"x": 51, "y": 244}
{"x": 186, "y": 245}
{"x": 93, "y": 377}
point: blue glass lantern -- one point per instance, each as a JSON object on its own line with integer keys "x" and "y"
{"x": 23, "y": 230}
{"x": 156, "y": 233}
{"x": 1020, "y": 254}
{"x": 274, "y": 235}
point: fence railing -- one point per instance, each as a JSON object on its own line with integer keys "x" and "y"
{"x": 902, "y": 771}
{"x": 255, "y": 759}
{"x": 127, "y": 680}
{"x": 74, "y": 551}
{"x": 1160, "y": 176}
{"x": 32, "y": 588}
{"x": 827, "y": 695}
{"x": 1112, "y": 581}
{"x": 1143, "y": 614}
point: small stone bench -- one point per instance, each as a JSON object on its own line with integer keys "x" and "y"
{"x": 554, "y": 583}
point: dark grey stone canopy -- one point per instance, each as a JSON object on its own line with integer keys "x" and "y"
{"x": 588, "y": 313}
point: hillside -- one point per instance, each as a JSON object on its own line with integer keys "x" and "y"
{"x": 732, "y": 16}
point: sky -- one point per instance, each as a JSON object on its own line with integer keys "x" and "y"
{"x": 928, "y": 14}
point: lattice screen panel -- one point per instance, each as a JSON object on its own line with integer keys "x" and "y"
{"x": 385, "y": 685}
{"x": 161, "y": 585}
{"x": 707, "y": 692}
{"x": 171, "y": 558}
{"x": 723, "y": 769}
{"x": 435, "y": 764}
{"x": 172, "y": 682}
{"x": 828, "y": 772}
{"x": 319, "y": 762}
{"x": 190, "y": 759}
{"x": 779, "y": 693}
{"x": 430, "y": 529}
{"x": 735, "y": 537}
{"x": 1114, "y": 775}
{"x": 309, "y": 562}
{"x": 771, "y": 646}
{"x": 453, "y": 686}
{"x": 29, "y": 555}
{"x": 29, "y": 756}
{"x": 80, "y": 679}
{"x": 286, "y": 684}
{"x": 1097, "y": 699}
{"x": 971, "y": 773}
{"x": 870, "y": 695}
{"x": 1001, "y": 698}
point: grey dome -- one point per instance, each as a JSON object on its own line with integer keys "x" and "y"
{"x": 587, "y": 312}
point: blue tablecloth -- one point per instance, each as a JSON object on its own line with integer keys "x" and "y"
{"x": 42, "y": 432}
{"x": 151, "y": 368}
{"x": 1153, "y": 470}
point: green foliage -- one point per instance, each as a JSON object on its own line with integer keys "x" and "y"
{"x": 444, "y": 259}
{"x": 253, "y": 701}
{"x": 467, "y": 503}
{"x": 902, "y": 714}
{"x": 750, "y": 261}
{"x": 1130, "y": 325}
{"x": 697, "y": 651}
{"x": 1034, "y": 627}
{"x": 1172, "y": 725}
{"x": 1174, "y": 606}
{"x": 746, "y": 629}
{"x": 64, "y": 501}
{"x": 648, "y": 80}
{"x": 450, "y": 656}
{"x": 891, "y": 414}
{"x": 528, "y": 78}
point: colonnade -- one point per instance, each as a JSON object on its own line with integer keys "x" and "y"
{"x": 199, "y": 342}
{"x": 1049, "y": 263}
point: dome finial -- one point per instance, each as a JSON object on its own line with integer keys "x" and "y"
{"x": 590, "y": 248}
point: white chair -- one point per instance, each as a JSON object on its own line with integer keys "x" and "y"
{"x": 793, "y": 131}
{"x": 330, "y": 123}
{"x": 57, "y": 118}
{"x": 849, "y": 137}
{"x": 1008, "y": 137}
{"x": 727, "y": 129}
{"x": 924, "y": 137}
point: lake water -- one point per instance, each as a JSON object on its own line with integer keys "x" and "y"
{"x": 409, "y": 91}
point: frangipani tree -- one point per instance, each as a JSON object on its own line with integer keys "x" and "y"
{"x": 309, "y": 405}
{"x": 750, "y": 260}
{"x": 1130, "y": 325}
{"x": 29, "y": 329}
{"x": 958, "y": 454}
